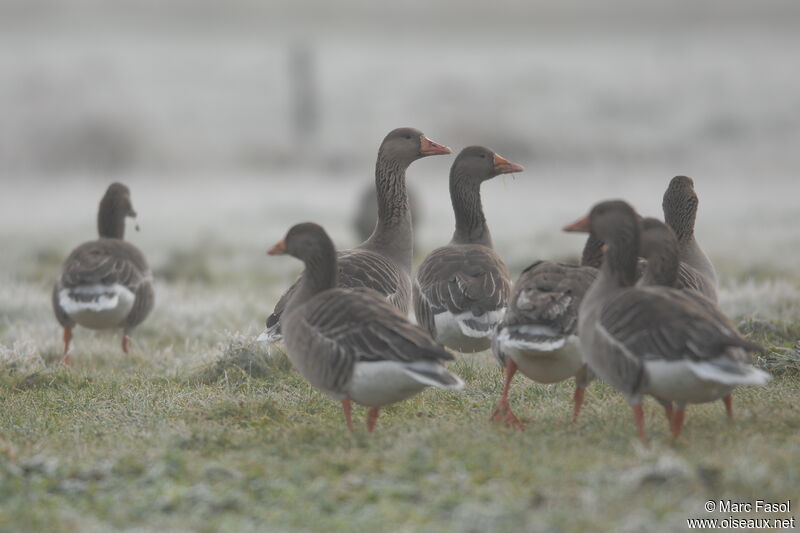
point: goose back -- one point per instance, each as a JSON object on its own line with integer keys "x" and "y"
{"x": 470, "y": 282}
{"x": 104, "y": 284}
{"x": 543, "y": 307}
{"x": 655, "y": 324}
{"x": 338, "y": 328}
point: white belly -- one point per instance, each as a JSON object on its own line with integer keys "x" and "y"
{"x": 97, "y": 306}
{"x": 548, "y": 366}
{"x": 382, "y": 383}
{"x": 453, "y": 333}
{"x": 677, "y": 382}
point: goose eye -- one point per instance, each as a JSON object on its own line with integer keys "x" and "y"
{"x": 408, "y": 137}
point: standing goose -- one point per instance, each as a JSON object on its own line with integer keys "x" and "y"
{"x": 383, "y": 261}
{"x": 539, "y": 333}
{"x": 351, "y": 343}
{"x": 105, "y": 283}
{"x": 659, "y": 246}
{"x": 461, "y": 289}
{"x": 680, "y": 211}
{"x": 653, "y": 340}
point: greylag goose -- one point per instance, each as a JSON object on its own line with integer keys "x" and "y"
{"x": 680, "y": 211}
{"x": 351, "y": 343}
{"x": 105, "y": 283}
{"x": 383, "y": 261}
{"x": 653, "y": 340}
{"x": 461, "y": 289}
{"x": 539, "y": 334}
{"x": 659, "y": 247}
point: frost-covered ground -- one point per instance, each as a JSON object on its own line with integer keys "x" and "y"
{"x": 203, "y": 430}
{"x": 218, "y": 228}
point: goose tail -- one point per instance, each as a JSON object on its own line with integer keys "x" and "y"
{"x": 272, "y": 334}
{"x": 434, "y": 375}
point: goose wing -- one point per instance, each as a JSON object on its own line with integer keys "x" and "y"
{"x": 105, "y": 262}
{"x": 549, "y": 294}
{"x": 461, "y": 279}
{"x": 651, "y": 323}
{"x": 691, "y": 278}
{"x": 357, "y": 269}
{"x": 357, "y": 325}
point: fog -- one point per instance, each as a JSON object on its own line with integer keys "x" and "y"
{"x": 233, "y": 120}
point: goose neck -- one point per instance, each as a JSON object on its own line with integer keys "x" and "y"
{"x": 471, "y": 227}
{"x": 110, "y": 220}
{"x": 392, "y": 236}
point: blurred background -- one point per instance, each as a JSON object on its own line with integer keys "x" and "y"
{"x": 232, "y": 120}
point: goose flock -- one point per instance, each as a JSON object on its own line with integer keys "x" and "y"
{"x": 639, "y": 312}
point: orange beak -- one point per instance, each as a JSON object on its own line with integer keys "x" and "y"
{"x": 580, "y": 226}
{"x": 504, "y": 166}
{"x": 278, "y": 249}
{"x": 428, "y": 147}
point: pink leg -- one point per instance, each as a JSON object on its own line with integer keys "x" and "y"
{"x": 503, "y": 413}
{"x": 348, "y": 413}
{"x": 729, "y": 406}
{"x": 668, "y": 412}
{"x": 372, "y": 418}
{"x": 578, "y": 401}
{"x": 126, "y": 341}
{"x": 67, "y": 338}
{"x": 638, "y": 417}
{"x": 677, "y": 423}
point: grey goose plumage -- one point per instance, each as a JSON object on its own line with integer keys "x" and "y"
{"x": 659, "y": 247}
{"x": 367, "y": 211}
{"x": 680, "y": 204}
{"x": 105, "y": 283}
{"x": 653, "y": 340}
{"x": 461, "y": 289}
{"x": 351, "y": 343}
{"x": 539, "y": 334}
{"x": 662, "y": 264}
{"x": 383, "y": 261}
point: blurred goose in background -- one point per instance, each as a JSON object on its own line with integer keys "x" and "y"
{"x": 461, "y": 289}
{"x": 539, "y": 334}
{"x": 659, "y": 246}
{"x": 351, "y": 343}
{"x": 680, "y": 211}
{"x": 105, "y": 283}
{"x": 383, "y": 261}
{"x": 653, "y": 340}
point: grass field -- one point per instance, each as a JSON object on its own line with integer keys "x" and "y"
{"x": 190, "y": 104}
{"x": 202, "y": 429}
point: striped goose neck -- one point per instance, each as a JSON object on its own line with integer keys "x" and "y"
{"x": 680, "y": 212}
{"x": 111, "y": 219}
{"x": 320, "y": 274}
{"x": 392, "y": 236}
{"x": 592, "y": 255}
{"x": 465, "y": 194}
{"x": 622, "y": 256}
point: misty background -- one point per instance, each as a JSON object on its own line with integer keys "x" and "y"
{"x": 233, "y": 120}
